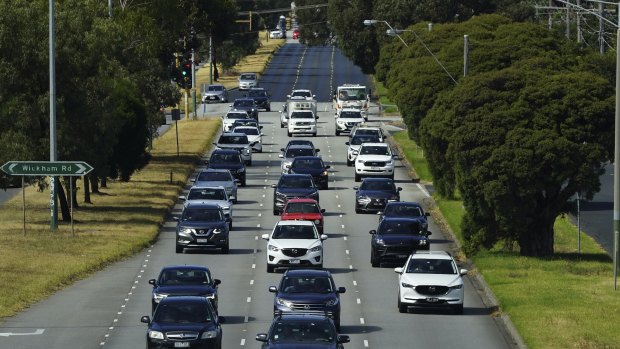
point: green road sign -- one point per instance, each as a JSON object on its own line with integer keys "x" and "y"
{"x": 46, "y": 168}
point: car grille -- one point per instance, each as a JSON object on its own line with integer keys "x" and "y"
{"x": 203, "y": 232}
{"x": 302, "y": 124}
{"x": 379, "y": 201}
{"x": 294, "y": 252}
{"x": 351, "y": 124}
{"x": 431, "y": 290}
{"x": 182, "y": 336}
{"x": 400, "y": 250}
{"x": 307, "y": 306}
{"x": 375, "y": 163}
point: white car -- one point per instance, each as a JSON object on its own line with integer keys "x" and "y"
{"x": 374, "y": 159}
{"x": 254, "y": 136}
{"x": 294, "y": 244}
{"x": 430, "y": 279}
{"x": 365, "y": 129}
{"x": 354, "y": 146}
{"x": 229, "y": 119}
{"x": 237, "y": 141}
{"x": 306, "y": 94}
{"x": 213, "y": 195}
{"x": 275, "y": 34}
{"x": 346, "y": 119}
{"x": 302, "y": 121}
{"x": 248, "y": 81}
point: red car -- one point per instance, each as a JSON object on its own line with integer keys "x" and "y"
{"x": 295, "y": 34}
{"x": 304, "y": 209}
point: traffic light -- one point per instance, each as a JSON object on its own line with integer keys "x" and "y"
{"x": 186, "y": 71}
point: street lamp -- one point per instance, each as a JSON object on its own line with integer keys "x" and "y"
{"x": 397, "y": 32}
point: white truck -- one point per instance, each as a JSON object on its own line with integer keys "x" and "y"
{"x": 301, "y": 116}
{"x": 352, "y": 96}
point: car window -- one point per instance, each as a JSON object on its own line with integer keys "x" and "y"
{"x": 351, "y": 94}
{"x": 295, "y": 182}
{"x": 184, "y": 276}
{"x": 215, "y": 88}
{"x": 359, "y": 139}
{"x": 402, "y": 210}
{"x": 294, "y": 232}
{"x": 378, "y": 185}
{"x": 300, "y": 142}
{"x": 350, "y": 114}
{"x": 294, "y": 152}
{"x": 248, "y": 77}
{"x": 206, "y": 194}
{"x": 183, "y": 313}
{"x": 367, "y": 131}
{"x": 244, "y": 103}
{"x": 302, "y": 207}
{"x": 431, "y": 266}
{"x": 297, "y": 284}
{"x": 228, "y": 139}
{"x": 257, "y": 93}
{"x": 214, "y": 177}
{"x": 236, "y": 116}
{"x": 374, "y": 150}
{"x": 301, "y": 94}
{"x": 201, "y": 215}
{"x": 302, "y": 115}
{"x": 247, "y": 131}
{"x": 307, "y": 163}
{"x": 302, "y": 331}
{"x": 399, "y": 228}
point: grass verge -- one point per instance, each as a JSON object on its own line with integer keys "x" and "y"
{"x": 414, "y": 154}
{"x": 566, "y": 301}
{"x": 389, "y": 107}
{"x": 34, "y": 266}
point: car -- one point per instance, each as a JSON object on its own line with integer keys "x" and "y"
{"x": 314, "y": 166}
{"x": 228, "y": 159}
{"x": 202, "y": 226}
{"x": 300, "y": 93}
{"x": 293, "y": 186}
{"x": 302, "y": 122}
{"x": 294, "y": 244}
{"x": 255, "y": 136}
{"x": 248, "y": 81}
{"x": 431, "y": 279}
{"x": 275, "y": 34}
{"x": 184, "y": 322}
{"x": 246, "y": 104}
{"x": 215, "y": 93}
{"x": 233, "y": 116}
{"x": 299, "y": 142}
{"x": 374, "y": 159}
{"x": 365, "y": 129}
{"x": 395, "y": 239}
{"x": 354, "y": 146}
{"x": 245, "y": 122}
{"x": 296, "y": 34}
{"x": 294, "y": 331}
{"x": 304, "y": 210}
{"x": 215, "y": 195}
{"x": 239, "y": 142}
{"x": 261, "y": 97}
{"x": 374, "y": 194}
{"x": 216, "y": 178}
{"x": 346, "y": 119}
{"x": 284, "y": 116}
{"x": 184, "y": 280}
{"x": 406, "y": 209}
{"x": 292, "y": 152}
{"x": 308, "y": 291}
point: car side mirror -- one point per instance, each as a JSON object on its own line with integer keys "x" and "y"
{"x": 316, "y": 117}
{"x": 152, "y": 282}
{"x": 399, "y": 188}
{"x": 323, "y": 237}
{"x": 322, "y": 210}
{"x": 395, "y": 157}
{"x": 281, "y": 156}
{"x": 317, "y": 150}
{"x": 327, "y": 166}
{"x": 273, "y": 185}
{"x": 273, "y": 289}
{"x": 237, "y": 180}
{"x": 265, "y": 237}
{"x": 262, "y": 134}
{"x": 356, "y": 188}
{"x": 372, "y": 232}
{"x": 145, "y": 319}
{"x": 230, "y": 105}
{"x": 427, "y": 214}
{"x": 464, "y": 271}
{"x": 261, "y": 337}
{"x": 281, "y": 149}
{"x": 206, "y": 162}
{"x": 347, "y": 143}
{"x": 343, "y": 338}
{"x": 288, "y": 96}
{"x": 193, "y": 180}
{"x": 428, "y": 233}
{"x": 176, "y": 219}
{"x": 182, "y": 198}
{"x": 398, "y": 270}
{"x": 341, "y": 290}
{"x": 217, "y": 282}
{"x": 380, "y": 213}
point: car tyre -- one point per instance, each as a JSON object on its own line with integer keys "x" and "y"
{"x": 314, "y": 135}
{"x": 270, "y": 268}
{"x": 357, "y": 210}
{"x": 349, "y": 163}
{"x": 226, "y": 249}
{"x": 289, "y": 134}
{"x": 374, "y": 261}
{"x": 230, "y": 225}
{"x": 337, "y": 133}
{"x": 402, "y": 308}
{"x": 276, "y": 212}
{"x": 358, "y": 178}
{"x": 458, "y": 309}
{"x": 243, "y": 183}
{"x": 179, "y": 249}
{"x": 392, "y": 177}
{"x": 281, "y": 125}
{"x": 325, "y": 186}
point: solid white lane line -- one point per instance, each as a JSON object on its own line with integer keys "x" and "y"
{"x": 423, "y": 190}
{"x": 362, "y": 320}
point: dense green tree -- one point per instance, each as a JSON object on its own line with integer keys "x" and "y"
{"x": 314, "y": 23}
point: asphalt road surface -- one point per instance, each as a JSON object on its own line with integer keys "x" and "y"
{"x": 104, "y": 310}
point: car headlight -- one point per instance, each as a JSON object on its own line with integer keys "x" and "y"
{"x": 157, "y": 297}
{"x": 423, "y": 242}
{"x": 280, "y": 195}
{"x": 456, "y": 287}
{"x": 225, "y": 208}
{"x": 317, "y": 248}
{"x": 241, "y": 169}
{"x": 332, "y": 302}
{"x": 360, "y": 161}
{"x": 317, "y": 221}
{"x": 156, "y": 335}
{"x": 324, "y": 173}
{"x": 404, "y": 284}
{"x": 208, "y": 334}
{"x": 340, "y": 122}
{"x": 363, "y": 199}
{"x": 380, "y": 241}
{"x": 283, "y": 302}
{"x": 273, "y": 248}
{"x": 246, "y": 151}
{"x": 394, "y": 198}
{"x": 217, "y": 231}
{"x": 186, "y": 231}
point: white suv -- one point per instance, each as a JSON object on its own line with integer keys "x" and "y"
{"x": 294, "y": 244}
{"x": 346, "y": 119}
{"x": 374, "y": 159}
{"x": 302, "y": 121}
{"x": 430, "y": 279}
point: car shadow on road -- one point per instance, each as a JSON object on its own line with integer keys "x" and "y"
{"x": 237, "y": 228}
{"x": 341, "y": 270}
{"x": 239, "y": 251}
{"x": 335, "y": 236}
{"x": 234, "y": 319}
{"x": 357, "y": 329}
{"x": 332, "y": 214}
{"x": 440, "y": 241}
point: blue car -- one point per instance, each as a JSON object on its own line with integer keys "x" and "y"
{"x": 395, "y": 239}
{"x": 202, "y": 226}
{"x": 293, "y": 186}
{"x": 374, "y": 194}
{"x": 185, "y": 280}
{"x": 228, "y": 159}
{"x": 308, "y": 291}
{"x": 292, "y": 331}
{"x": 406, "y": 209}
{"x": 314, "y": 166}
{"x": 184, "y": 322}
{"x": 246, "y": 104}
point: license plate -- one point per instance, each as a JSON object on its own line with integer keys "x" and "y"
{"x": 202, "y": 241}
{"x": 432, "y": 300}
{"x": 181, "y": 344}
{"x": 212, "y": 97}
{"x": 375, "y": 168}
{"x": 294, "y": 261}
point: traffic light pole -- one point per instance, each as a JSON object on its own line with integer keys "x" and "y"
{"x": 194, "y": 83}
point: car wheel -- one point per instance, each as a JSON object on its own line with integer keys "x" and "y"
{"x": 276, "y": 212}
{"x": 281, "y": 125}
{"x": 319, "y": 266}
{"x": 230, "y": 225}
{"x": 458, "y": 309}
{"x": 314, "y": 135}
{"x": 349, "y": 163}
{"x": 179, "y": 249}
{"x": 402, "y": 308}
{"x": 243, "y": 183}
{"x": 234, "y": 201}
{"x": 270, "y": 268}
{"x": 325, "y": 186}
{"x": 268, "y": 108}
{"x": 392, "y": 177}
{"x": 374, "y": 261}
{"x": 337, "y": 323}
{"x": 357, "y": 210}
{"x": 337, "y": 133}
{"x": 289, "y": 134}
{"x": 226, "y": 248}
{"x": 358, "y": 178}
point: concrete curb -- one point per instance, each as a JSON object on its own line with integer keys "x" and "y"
{"x": 507, "y": 328}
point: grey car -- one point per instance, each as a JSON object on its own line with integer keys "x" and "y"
{"x": 215, "y": 93}
{"x": 218, "y": 177}
{"x": 248, "y": 81}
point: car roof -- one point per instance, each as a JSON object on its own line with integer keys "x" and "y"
{"x": 400, "y": 219}
{"x": 350, "y": 109}
{"x": 403, "y": 203}
{"x": 431, "y": 255}
{"x": 258, "y": 89}
{"x": 375, "y": 144}
{"x": 216, "y": 85}
{"x": 304, "y": 175}
{"x": 245, "y": 126}
{"x": 300, "y": 317}
{"x": 207, "y": 187}
{"x": 378, "y": 179}
{"x": 202, "y": 204}
{"x": 308, "y": 200}
{"x": 225, "y": 151}
{"x": 244, "y": 99}
{"x": 294, "y": 222}
{"x": 307, "y": 272}
{"x": 185, "y": 299}
{"x": 214, "y": 170}
{"x": 307, "y": 158}
{"x": 300, "y": 146}
{"x": 188, "y": 267}
{"x": 235, "y": 134}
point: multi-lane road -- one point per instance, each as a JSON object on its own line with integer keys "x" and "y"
{"x": 104, "y": 310}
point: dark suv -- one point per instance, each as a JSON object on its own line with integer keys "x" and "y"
{"x": 406, "y": 209}
{"x": 314, "y": 166}
{"x": 203, "y": 226}
{"x": 228, "y": 159}
{"x": 184, "y": 280}
{"x": 260, "y": 97}
{"x": 308, "y": 291}
{"x": 290, "y": 331}
{"x": 293, "y": 186}
{"x": 246, "y": 104}
{"x": 374, "y": 194}
{"x": 396, "y": 238}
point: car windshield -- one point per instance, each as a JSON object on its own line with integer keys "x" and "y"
{"x": 225, "y": 158}
{"x": 236, "y": 116}
{"x": 367, "y": 131}
{"x": 402, "y": 210}
{"x": 301, "y": 94}
{"x": 176, "y": 312}
{"x": 359, "y": 139}
{"x": 214, "y": 177}
{"x": 300, "y": 142}
{"x": 247, "y": 131}
{"x": 374, "y": 150}
{"x": 378, "y": 185}
{"x": 431, "y": 266}
{"x": 399, "y": 228}
{"x": 294, "y": 152}
{"x": 202, "y": 215}
{"x": 294, "y": 232}
{"x": 184, "y": 276}
{"x": 228, "y": 139}
{"x": 298, "y": 284}
{"x": 307, "y": 163}
{"x": 244, "y": 103}
{"x": 206, "y": 194}
{"x": 301, "y": 207}
{"x": 257, "y": 93}
{"x": 302, "y": 331}
{"x": 295, "y": 182}
{"x": 302, "y": 115}
{"x": 215, "y": 88}
{"x": 350, "y": 114}
{"x": 247, "y": 77}
{"x": 351, "y": 94}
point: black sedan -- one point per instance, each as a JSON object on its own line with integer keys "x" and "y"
{"x": 260, "y": 97}
{"x": 202, "y": 226}
{"x": 395, "y": 239}
{"x": 314, "y": 166}
{"x": 184, "y": 322}
{"x": 246, "y": 104}
{"x": 374, "y": 194}
{"x": 185, "y": 280}
{"x": 293, "y": 186}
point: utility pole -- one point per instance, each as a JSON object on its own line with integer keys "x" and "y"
{"x": 579, "y": 34}
{"x": 210, "y": 57}
{"x": 52, "y": 67}
{"x": 465, "y": 55}
{"x": 617, "y": 162}
{"x": 550, "y": 24}
{"x": 194, "y": 82}
{"x": 110, "y": 8}
{"x": 601, "y": 28}
{"x": 568, "y": 20}
{"x": 430, "y": 27}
